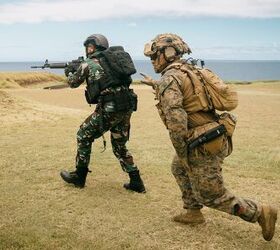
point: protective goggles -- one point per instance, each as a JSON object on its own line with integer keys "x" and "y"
{"x": 150, "y": 49}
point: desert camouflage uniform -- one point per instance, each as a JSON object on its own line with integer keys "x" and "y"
{"x": 198, "y": 173}
{"x": 102, "y": 120}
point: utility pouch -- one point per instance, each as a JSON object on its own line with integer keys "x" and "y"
{"x": 120, "y": 101}
{"x": 229, "y": 121}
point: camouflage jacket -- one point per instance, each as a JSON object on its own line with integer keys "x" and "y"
{"x": 175, "y": 94}
{"x": 90, "y": 69}
{"x": 171, "y": 111}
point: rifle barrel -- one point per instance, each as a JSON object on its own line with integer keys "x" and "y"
{"x": 57, "y": 65}
{"x": 61, "y": 65}
{"x": 37, "y": 67}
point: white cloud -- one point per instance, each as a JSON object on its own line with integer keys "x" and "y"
{"x": 34, "y": 11}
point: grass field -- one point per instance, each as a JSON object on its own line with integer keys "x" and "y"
{"x": 12, "y": 80}
{"x": 39, "y": 211}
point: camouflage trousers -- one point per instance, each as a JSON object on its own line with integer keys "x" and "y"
{"x": 201, "y": 183}
{"x": 95, "y": 126}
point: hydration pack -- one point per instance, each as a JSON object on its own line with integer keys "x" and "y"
{"x": 210, "y": 89}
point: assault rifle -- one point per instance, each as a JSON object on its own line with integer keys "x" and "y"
{"x": 71, "y": 66}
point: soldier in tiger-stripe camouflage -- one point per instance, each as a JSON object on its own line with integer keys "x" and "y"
{"x": 106, "y": 117}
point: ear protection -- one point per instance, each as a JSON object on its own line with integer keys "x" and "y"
{"x": 170, "y": 54}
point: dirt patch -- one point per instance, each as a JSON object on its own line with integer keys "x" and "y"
{"x": 14, "y": 108}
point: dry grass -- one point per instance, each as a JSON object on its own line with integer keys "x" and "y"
{"x": 39, "y": 211}
{"x": 27, "y": 79}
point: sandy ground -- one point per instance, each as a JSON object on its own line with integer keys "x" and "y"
{"x": 67, "y": 97}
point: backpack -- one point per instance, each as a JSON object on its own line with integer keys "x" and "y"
{"x": 119, "y": 61}
{"x": 118, "y": 66}
{"x": 211, "y": 90}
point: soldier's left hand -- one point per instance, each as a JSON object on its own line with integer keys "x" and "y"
{"x": 148, "y": 80}
{"x": 67, "y": 71}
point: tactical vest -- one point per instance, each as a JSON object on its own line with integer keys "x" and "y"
{"x": 199, "y": 104}
{"x": 193, "y": 101}
{"x": 116, "y": 68}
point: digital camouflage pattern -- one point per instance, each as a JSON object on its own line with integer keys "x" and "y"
{"x": 199, "y": 172}
{"x": 166, "y": 40}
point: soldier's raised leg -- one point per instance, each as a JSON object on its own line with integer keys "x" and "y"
{"x": 207, "y": 183}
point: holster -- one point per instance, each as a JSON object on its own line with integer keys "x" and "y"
{"x": 208, "y": 136}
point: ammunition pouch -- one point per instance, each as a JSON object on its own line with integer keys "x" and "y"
{"x": 121, "y": 101}
{"x": 229, "y": 121}
{"x": 92, "y": 93}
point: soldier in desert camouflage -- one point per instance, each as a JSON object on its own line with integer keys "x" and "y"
{"x": 198, "y": 171}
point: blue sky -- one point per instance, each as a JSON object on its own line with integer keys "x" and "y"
{"x": 32, "y": 30}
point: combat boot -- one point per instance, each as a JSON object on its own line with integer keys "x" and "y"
{"x": 78, "y": 177}
{"x": 136, "y": 184}
{"x": 267, "y": 221}
{"x": 191, "y": 217}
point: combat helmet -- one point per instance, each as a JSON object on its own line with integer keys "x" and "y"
{"x": 98, "y": 40}
{"x": 172, "y": 45}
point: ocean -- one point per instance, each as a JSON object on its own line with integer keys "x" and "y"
{"x": 227, "y": 69}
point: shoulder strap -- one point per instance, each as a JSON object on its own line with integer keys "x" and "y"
{"x": 202, "y": 81}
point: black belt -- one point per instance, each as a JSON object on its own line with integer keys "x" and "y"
{"x": 207, "y": 136}
{"x": 111, "y": 96}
